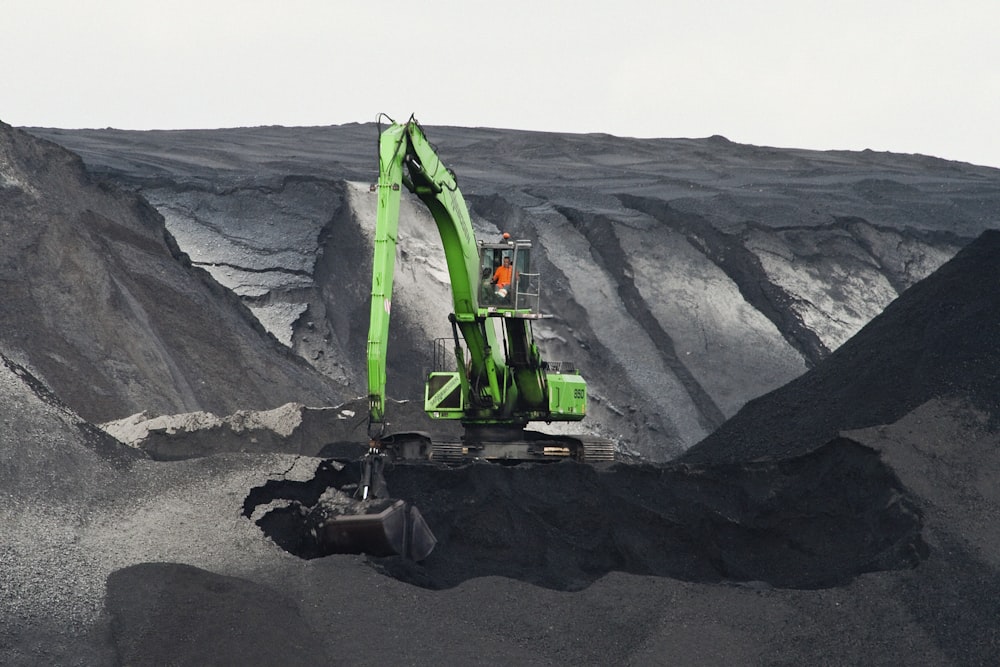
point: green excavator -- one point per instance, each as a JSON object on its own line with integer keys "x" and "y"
{"x": 490, "y": 375}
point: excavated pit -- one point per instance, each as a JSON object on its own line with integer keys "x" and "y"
{"x": 812, "y": 521}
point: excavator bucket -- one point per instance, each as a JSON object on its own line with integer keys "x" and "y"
{"x": 382, "y": 527}
{"x": 369, "y": 521}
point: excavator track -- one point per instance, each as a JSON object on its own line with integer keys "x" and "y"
{"x": 501, "y": 445}
{"x": 529, "y": 447}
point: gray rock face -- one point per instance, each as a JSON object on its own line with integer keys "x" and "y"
{"x": 686, "y": 276}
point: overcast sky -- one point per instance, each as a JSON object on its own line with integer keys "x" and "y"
{"x": 908, "y": 76}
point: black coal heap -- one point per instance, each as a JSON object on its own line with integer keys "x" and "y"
{"x": 810, "y": 521}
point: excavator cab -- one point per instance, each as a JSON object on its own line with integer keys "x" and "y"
{"x": 506, "y": 280}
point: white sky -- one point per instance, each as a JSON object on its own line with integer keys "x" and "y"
{"x": 909, "y": 76}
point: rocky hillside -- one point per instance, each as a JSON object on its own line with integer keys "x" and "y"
{"x": 686, "y": 276}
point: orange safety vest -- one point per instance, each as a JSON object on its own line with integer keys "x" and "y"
{"x": 502, "y": 275}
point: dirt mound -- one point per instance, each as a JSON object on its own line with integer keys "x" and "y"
{"x": 812, "y": 521}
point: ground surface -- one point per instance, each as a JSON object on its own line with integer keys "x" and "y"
{"x": 848, "y": 518}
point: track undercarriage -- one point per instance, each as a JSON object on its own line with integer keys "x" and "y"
{"x": 502, "y": 445}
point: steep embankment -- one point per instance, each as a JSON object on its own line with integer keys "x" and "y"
{"x": 939, "y": 338}
{"x": 101, "y": 303}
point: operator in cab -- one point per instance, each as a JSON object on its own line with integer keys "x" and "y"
{"x": 502, "y": 277}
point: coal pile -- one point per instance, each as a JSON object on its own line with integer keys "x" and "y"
{"x": 941, "y": 337}
{"x": 850, "y": 518}
{"x": 812, "y": 521}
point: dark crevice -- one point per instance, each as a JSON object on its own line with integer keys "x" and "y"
{"x": 743, "y": 267}
{"x": 812, "y": 521}
{"x": 612, "y": 258}
{"x": 285, "y": 523}
{"x": 248, "y": 269}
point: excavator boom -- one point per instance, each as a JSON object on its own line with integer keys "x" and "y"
{"x": 407, "y": 158}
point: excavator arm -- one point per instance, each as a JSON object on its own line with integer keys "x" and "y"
{"x": 407, "y": 159}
